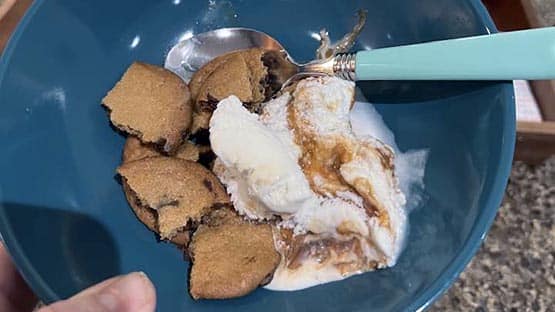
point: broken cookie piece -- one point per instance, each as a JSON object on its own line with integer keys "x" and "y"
{"x": 180, "y": 192}
{"x": 231, "y": 256}
{"x": 241, "y": 73}
{"x": 149, "y": 218}
{"x": 153, "y": 104}
{"x": 134, "y": 149}
{"x": 231, "y": 77}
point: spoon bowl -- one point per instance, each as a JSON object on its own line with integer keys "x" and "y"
{"x": 190, "y": 54}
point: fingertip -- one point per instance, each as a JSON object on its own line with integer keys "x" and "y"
{"x": 140, "y": 292}
{"x": 150, "y": 291}
{"x": 133, "y": 292}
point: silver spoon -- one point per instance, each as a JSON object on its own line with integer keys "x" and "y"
{"x": 189, "y": 55}
{"x": 524, "y": 54}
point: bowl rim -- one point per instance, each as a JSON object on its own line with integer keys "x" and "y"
{"x": 423, "y": 300}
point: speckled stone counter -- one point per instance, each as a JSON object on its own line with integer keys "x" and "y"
{"x": 515, "y": 268}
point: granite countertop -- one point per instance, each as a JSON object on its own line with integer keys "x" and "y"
{"x": 515, "y": 267}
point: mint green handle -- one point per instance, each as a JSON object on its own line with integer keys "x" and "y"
{"x": 528, "y": 55}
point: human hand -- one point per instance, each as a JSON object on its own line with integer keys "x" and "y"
{"x": 131, "y": 292}
{"x": 15, "y": 295}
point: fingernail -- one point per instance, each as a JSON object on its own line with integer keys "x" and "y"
{"x": 132, "y": 292}
{"x": 143, "y": 274}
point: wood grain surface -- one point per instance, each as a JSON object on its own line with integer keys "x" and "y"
{"x": 535, "y": 142}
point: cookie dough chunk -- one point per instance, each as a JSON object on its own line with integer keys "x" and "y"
{"x": 135, "y": 150}
{"x": 241, "y": 73}
{"x": 151, "y": 103}
{"x": 231, "y": 256}
{"x": 181, "y": 192}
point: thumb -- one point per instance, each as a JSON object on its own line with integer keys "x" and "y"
{"x": 128, "y": 293}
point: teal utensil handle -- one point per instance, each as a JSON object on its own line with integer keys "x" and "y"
{"x": 528, "y": 55}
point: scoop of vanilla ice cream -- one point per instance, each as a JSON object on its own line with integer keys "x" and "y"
{"x": 367, "y": 165}
{"x": 257, "y": 155}
{"x": 325, "y": 105}
{"x": 259, "y": 161}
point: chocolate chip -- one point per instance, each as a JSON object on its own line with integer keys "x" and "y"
{"x": 208, "y": 185}
{"x": 201, "y": 137}
{"x": 210, "y": 104}
{"x": 249, "y": 259}
{"x": 270, "y": 59}
{"x": 207, "y": 159}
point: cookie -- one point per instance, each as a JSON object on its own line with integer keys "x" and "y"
{"x": 257, "y": 73}
{"x": 135, "y": 150}
{"x": 231, "y": 256}
{"x": 240, "y": 73}
{"x": 231, "y": 77}
{"x": 252, "y": 58}
{"x": 153, "y": 104}
{"x": 149, "y": 217}
{"x": 204, "y": 72}
{"x": 180, "y": 192}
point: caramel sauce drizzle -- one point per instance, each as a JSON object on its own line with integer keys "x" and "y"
{"x": 321, "y": 161}
{"x": 347, "y": 255}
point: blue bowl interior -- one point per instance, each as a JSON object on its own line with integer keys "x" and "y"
{"x": 63, "y": 215}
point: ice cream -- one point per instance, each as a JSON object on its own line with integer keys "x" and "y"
{"x": 332, "y": 195}
{"x": 266, "y": 165}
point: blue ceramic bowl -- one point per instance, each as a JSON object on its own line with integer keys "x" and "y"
{"x": 65, "y": 220}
